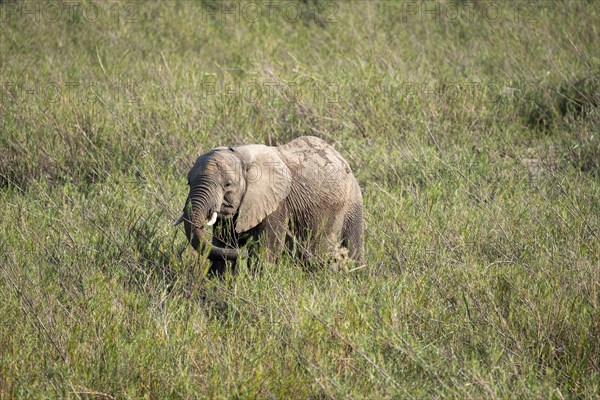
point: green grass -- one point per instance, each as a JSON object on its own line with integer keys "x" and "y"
{"x": 474, "y": 136}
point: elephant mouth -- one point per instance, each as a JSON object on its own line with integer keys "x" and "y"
{"x": 226, "y": 210}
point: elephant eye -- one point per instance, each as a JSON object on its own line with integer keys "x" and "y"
{"x": 228, "y": 183}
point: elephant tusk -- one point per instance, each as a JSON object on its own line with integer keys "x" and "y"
{"x": 213, "y": 219}
{"x": 179, "y": 220}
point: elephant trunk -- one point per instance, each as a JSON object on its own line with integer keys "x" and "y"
{"x": 194, "y": 225}
{"x": 199, "y": 204}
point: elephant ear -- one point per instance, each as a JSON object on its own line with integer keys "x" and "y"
{"x": 268, "y": 182}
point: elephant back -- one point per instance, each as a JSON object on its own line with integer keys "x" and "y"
{"x": 314, "y": 152}
{"x": 316, "y": 167}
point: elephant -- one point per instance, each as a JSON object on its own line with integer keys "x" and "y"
{"x": 302, "y": 194}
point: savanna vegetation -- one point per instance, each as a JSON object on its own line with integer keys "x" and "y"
{"x": 473, "y": 128}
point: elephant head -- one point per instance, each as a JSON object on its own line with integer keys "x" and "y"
{"x": 244, "y": 183}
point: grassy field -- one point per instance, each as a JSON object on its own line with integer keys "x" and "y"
{"x": 472, "y": 127}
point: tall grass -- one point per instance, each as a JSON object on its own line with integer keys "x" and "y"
{"x": 472, "y": 128}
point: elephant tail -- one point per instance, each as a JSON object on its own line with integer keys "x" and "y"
{"x": 353, "y": 232}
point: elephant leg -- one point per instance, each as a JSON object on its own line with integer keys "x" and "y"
{"x": 273, "y": 233}
{"x": 304, "y": 244}
{"x": 223, "y": 237}
{"x": 326, "y": 243}
{"x": 353, "y": 231}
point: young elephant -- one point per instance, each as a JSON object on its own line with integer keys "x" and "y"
{"x": 302, "y": 193}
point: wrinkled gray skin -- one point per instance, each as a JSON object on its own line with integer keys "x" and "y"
{"x": 302, "y": 193}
